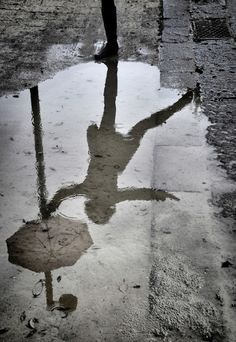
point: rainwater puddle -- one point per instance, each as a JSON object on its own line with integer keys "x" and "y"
{"x": 85, "y": 159}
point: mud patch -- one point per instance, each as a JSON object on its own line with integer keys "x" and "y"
{"x": 228, "y": 204}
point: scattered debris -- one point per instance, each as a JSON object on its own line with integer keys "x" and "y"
{"x": 65, "y": 314}
{"x": 60, "y": 308}
{"x": 226, "y": 264}
{"x": 45, "y": 227}
{"x": 199, "y": 70}
{"x": 31, "y": 323}
{"x": 38, "y": 288}
{"x": 160, "y": 333}
{"x": 124, "y": 287}
{"x": 11, "y": 138}
{"x": 96, "y": 247}
{"x": 22, "y": 316}
{"x": 31, "y": 333}
{"x": 155, "y": 333}
{"x": 42, "y": 332}
{"x": 3, "y": 331}
{"x": 58, "y": 124}
{"x": 219, "y": 297}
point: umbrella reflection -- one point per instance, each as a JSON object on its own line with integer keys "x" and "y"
{"x": 110, "y": 152}
{"x": 43, "y": 246}
{"x": 52, "y": 242}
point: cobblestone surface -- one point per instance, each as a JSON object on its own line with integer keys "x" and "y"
{"x": 210, "y": 66}
{"x": 215, "y": 60}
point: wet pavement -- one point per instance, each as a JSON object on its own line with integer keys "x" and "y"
{"x": 107, "y": 183}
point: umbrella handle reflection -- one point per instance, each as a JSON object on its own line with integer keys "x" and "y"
{"x": 49, "y": 290}
{"x": 67, "y": 302}
{"x": 40, "y": 167}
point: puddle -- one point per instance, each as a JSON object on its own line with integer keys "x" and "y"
{"x": 85, "y": 157}
{"x": 102, "y": 133}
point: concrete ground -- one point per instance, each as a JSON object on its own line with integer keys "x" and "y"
{"x": 117, "y": 180}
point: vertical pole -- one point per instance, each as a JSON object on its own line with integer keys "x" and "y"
{"x": 40, "y": 166}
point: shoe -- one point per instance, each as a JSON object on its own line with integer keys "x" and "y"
{"x": 109, "y": 50}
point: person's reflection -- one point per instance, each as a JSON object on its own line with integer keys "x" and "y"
{"x": 110, "y": 152}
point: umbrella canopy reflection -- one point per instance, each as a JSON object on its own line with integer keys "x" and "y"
{"x": 43, "y": 246}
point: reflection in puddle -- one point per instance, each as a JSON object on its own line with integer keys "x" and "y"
{"x": 43, "y": 246}
{"x": 110, "y": 152}
{"x": 56, "y": 241}
{"x": 141, "y": 243}
{"x": 53, "y": 242}
{"x": 50, "y": 244}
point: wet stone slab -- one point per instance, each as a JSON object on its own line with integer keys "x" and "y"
{"x": 177, "y": 63}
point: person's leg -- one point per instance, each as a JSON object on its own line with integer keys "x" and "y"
{"x": 110, "y": 25}
{"x": 109, "y": 20}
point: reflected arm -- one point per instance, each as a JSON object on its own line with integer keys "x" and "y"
{"x": 160, "y": 117}
{"x": 61, "y": 195}
{"x": 144, "y": 194}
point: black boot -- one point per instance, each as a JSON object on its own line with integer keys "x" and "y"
{"x": 110, "y": 25}
{"x": 109, "y": 50}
